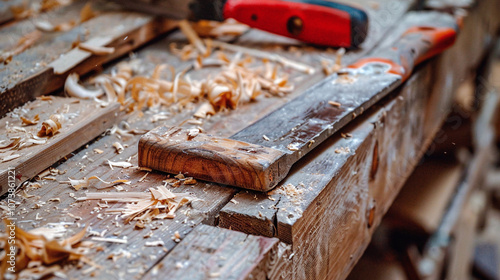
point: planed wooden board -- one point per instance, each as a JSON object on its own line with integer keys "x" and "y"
{"x": 83, "y": 120}
{"x": 44, "y": 67}
{"x": 328, "y": 223}
{"x": 213, "y": 253}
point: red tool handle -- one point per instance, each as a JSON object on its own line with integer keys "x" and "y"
{"x": 313, "y": 21}
{"x": 415, "y": 45}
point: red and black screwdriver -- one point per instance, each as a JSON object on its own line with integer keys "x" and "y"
{"x": 317, "y": 22}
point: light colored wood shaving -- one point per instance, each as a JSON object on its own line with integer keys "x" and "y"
{"x": 39, "y": 253}
{"x": 51, "y": 126}
{"x": 121, "y": 164}
{"x": 159, "y": 203}
{"x": 96, "y": 50}
{"x": 24, "y": 42}
{"x": 118, "y": 147}
{"x": 74, "y": 89}
{"x": 33, "y": 121}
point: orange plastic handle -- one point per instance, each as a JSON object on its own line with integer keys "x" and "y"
{"x": 416, "y": 45}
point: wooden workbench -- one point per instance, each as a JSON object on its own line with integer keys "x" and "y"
{"x": 228, "y": 233}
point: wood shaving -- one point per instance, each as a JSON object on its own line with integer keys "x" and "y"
{"x": 34, "y": 121}
{"x": 229, "y": 27}
{"x": 74, "y": 89}
{"x": 192, "y": 133}
{"x": 51, "y": 126}
{"x": 293, "y": 146}
{"x": 342, "y": 150}
{"x": 85, "y": 183}
{"x": 24, "y": 42}
{"x": 189, "y": 181}
{"x": 330, "y": 68}
{"x": 334, "y": 104}
{"x": 98, "y": 151}
{"x": 38, "y": 254}
{"x": 158, "y": 243}
{"x": 110, "y": 240}
{"x": 266, "y": 138}
{"x": 96, "y": 50}
{"x": 159, "y": 203}
{"x": 11, "y": 157}
{"x": 118, "y": 147}
{"x": 121, "y": 164}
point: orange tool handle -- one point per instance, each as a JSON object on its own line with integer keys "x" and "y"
{"x": 416, "y": 45}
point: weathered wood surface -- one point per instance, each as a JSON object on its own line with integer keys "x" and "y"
{"x": 214, "y": 253}
{"x": 82, "y": 121}
{"x": 43, "y": 67}
{"x": 213, "y": 197}
{"x": 345, "y": 193}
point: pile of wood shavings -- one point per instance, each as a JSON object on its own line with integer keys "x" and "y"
{"x": 39, "y": 253}
{"x": 143, "y": 207}
{"x": 236, "y": 82}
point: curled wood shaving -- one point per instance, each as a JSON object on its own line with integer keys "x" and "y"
{"x": 118, "y": 147}
{"x": 74, "y": 89}
{"x": 24, "y": 42}
{"x": 51, "y": 126}
{"x": 38, "y": 255}
{"x": 34, "y": 121}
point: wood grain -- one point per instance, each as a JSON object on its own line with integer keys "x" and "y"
{"x": 30, "y": 73}
{"x": 83, "y": 121}
{"x": 329, "y": 221}
{"x": 214, "y": 253}
{"x": 213, "y": 159}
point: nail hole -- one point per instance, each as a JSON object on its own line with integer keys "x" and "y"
{"x": 253, "y": 17}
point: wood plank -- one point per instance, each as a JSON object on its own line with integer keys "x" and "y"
{"x": 38, "y": 69}
{"x": 211, "y": 252}
{"x": 82, "y": 121}
{"x": 343, "y": 186}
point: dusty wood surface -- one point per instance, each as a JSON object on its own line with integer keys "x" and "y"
{"x": 311, "y": 234}
{"x": 82, "y": 121}
{"x": 215, "y": 253}
{"x": 35, "y": 71}
{"x": 352, "y": 188}
{"x": 87, "y": 163}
